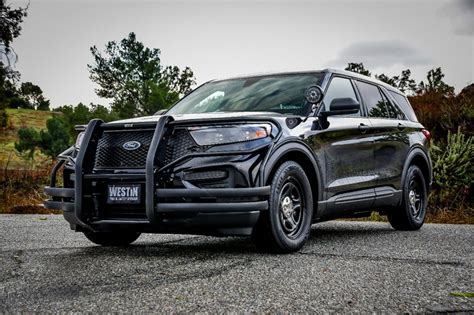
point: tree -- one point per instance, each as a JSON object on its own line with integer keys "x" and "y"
{"x": 358, "y": 68}
{"x": 51, "y": 142}
{"x": 31, "y": 93}
{"x": 56, "y": 139}
{"x": 384, "y": 78}
{"x": 402, "y": 82}
{"x": 435, "y": 84}
{"x": 10, "y": 28}
{"x": 81, "y": 114}
{"x": 28, "y": 142}
{"x": 132, "y": 76}
{"x": 43, "y": 104}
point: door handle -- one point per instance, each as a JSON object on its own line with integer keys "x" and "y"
{"x": 363, "y": 128}
{"x": 401, "y": 126}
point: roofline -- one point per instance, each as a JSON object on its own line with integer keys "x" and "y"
{"x": 264, "y": 74}
{"x": 327, "y": 70}
{"x": 363, "y": 77}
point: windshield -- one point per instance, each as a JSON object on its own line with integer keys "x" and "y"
{"x": 283, "y": 94}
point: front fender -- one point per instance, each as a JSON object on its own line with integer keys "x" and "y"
{"x": 293, "y": 148}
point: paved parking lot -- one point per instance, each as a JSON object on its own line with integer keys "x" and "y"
{"x": 345, "y": 267}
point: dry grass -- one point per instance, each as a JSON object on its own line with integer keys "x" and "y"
{"x": 22, "y": 190}
{"x": 442, "y": 216}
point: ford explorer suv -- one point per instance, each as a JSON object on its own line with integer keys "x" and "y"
{"x": 264, "y": 156}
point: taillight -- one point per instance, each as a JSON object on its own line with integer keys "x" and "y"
{"x": 427, "y": 135}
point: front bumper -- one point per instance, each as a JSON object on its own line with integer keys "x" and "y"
{"x": 214, "y": 211}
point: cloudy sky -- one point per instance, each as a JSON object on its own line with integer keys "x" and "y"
{"x": 226, "y": 38}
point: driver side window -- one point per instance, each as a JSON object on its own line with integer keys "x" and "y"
{"x": 339, "y": 88}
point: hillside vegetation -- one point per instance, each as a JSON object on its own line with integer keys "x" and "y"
{"x": 17, "y": 119}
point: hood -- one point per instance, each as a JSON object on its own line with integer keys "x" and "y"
{"x": 198, "y": 117}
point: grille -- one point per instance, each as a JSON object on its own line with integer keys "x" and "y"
{"x": 179, "y": 144}
{"x": 111, "y": 154}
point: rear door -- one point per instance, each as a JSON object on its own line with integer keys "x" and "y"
{"x": 391, "y": 142}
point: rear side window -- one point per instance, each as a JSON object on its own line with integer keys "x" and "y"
{"x": 405, "y": 106}
{"x": 392, "y": 109}
{"x": 339, "y": 88}
{"x": 373, "y": 100}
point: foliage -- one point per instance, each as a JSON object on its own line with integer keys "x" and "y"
{"x": 82, "y": 114}
{"x": 28, "y": 95}
{"x": 51, "y": 142}
{"x": 56, "y": 139}
{"x": 453, "y": 170}
{"x": 357, "y": 68}
{"x": 403, "y": 82}
{"x": 10, "y": 22}
{"x": 28, "y": 142}
{"x": 10, "y": 28}
{"x": 435, "y": 84}
{"x": 440, "y": 114}
{"x": 132, "y": 76}
{"x": 33, "y": 95}
{"x": 3, "y": 119}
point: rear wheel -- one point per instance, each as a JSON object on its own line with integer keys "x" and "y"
{"x": 122, "y": 238}
{"x": 410, "y": 215}
{"x": 287, "y": 225}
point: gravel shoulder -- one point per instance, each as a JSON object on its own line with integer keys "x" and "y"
{"x": 344, "y": 267}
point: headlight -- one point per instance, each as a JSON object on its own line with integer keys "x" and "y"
{"x": 79, "y": 139}
{"x": 229, "y": 134}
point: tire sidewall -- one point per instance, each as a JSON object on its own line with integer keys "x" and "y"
{"x": 286, "y": 170}
{"x": 415, "y": 172}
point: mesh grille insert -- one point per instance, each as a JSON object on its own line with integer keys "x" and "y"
{"x": 111, "y": 154}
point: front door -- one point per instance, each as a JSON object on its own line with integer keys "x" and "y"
{"x": 347, "y": 144}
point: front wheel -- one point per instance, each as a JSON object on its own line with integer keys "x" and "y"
{"x": 115, "y": 238}
{"x": 287, "y": 224}
{"x": 410, "y": 215}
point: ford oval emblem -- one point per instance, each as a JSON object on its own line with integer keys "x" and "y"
{"x": 131, "y": 145}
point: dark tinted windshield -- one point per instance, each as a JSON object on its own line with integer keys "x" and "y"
{"x": 282, "y": 94}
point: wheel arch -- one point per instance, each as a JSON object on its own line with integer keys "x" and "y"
{"x": 417, "y": 156}
{"x": 299, "y": 152}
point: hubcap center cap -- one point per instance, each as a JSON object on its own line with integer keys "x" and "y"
{"x": 287, "y": 206}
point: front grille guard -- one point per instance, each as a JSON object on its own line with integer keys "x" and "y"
{"x": 89, "y": 147}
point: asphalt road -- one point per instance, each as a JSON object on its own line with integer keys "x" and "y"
{"x": 344, "y": 267}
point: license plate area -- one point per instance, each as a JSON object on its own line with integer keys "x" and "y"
{"x": 123, "y": 193}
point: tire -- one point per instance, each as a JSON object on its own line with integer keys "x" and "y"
{"x": 122, "y": 238}
{"x": 286, "y": 226}
{"x": 410, "y": 214}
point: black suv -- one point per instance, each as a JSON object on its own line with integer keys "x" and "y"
{"x": 264, "y": 156}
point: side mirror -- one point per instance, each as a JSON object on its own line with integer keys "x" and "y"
{"x": 161, "y": 111}
{"x": 342, "y": 106}
{"x": 338, "y": 106}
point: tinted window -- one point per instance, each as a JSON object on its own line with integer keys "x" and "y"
{"x": 339, "y": 88}
{"x": 405, "y": 106}
{"x": 393, "y": 110}
{"x": 283, "y": 94}
{"x": 373, "y": 100}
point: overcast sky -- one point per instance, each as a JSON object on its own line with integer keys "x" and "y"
{"x": 227, "y": 38}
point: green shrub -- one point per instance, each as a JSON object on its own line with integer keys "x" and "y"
{"x": 453, "y": 171}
